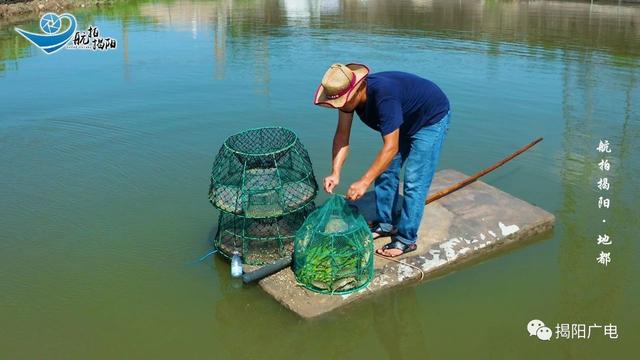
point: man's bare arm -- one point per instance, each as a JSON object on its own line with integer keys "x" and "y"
{"x": 380, "y": 164}
{"x": 384, "y": 157}
{"x": 340, "y": 150}
{"x": 341, "y": 141}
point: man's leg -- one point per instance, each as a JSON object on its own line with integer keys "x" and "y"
{"x": 386, "y": 191}
{"x": 420, "y": 168}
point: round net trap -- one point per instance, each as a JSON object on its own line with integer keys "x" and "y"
{"x": 259, "y": 241}
{"x": 333, "y": 250}
{"x": 262, "y": 173}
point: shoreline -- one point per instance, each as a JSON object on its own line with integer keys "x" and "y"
{"x": 13, "y": 11}
{"x": 18, "y": 10}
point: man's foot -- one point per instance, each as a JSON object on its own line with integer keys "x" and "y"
{"x": 377, "y": 232}
{"x": 396, "y": 248}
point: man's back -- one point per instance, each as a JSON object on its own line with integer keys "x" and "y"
{"x": 402, "y": 100}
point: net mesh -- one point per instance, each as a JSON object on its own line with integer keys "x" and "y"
{"x": 333, "y": 250}
{"x": 259, "y": 241}
{"x": 261, "y": 173}
{"x": 262, "y": 182}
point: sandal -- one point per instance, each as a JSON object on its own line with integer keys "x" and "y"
{"x": 377, "y": 232}
{"x": 397, "y": 244}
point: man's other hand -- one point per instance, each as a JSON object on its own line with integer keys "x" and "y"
{"x": 357, "y": 190}
{"x": 330, "y": 182}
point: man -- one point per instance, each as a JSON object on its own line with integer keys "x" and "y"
{"x": 412, "y": 114}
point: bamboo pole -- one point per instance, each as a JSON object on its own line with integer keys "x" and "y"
{"x": 480, "y": 174}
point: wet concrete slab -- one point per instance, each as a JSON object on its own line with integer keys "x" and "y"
{"x": 469, "y": 225}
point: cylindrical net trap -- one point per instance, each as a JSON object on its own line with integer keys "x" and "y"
{"x": 259, "y": 241}
{"x": 263, "y": 184}
{"x": 262, "y": 173}
{"x": 333, "y": 250}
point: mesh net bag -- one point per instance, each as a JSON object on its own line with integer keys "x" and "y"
{"x": 333, "y": 250}
{"x": 262, "y": 173}
{"x": 259, "y": 241}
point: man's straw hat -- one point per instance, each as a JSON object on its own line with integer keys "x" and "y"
{"x": 339, "y": 84}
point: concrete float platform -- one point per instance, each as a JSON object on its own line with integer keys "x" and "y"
{"x": 467, "y": 225}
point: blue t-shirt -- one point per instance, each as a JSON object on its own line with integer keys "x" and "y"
{"x": 401, "y": 100}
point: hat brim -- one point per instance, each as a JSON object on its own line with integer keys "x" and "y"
{"x": 360, "y": 71}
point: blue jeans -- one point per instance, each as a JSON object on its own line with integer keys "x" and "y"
{"x": 420, "y": 154}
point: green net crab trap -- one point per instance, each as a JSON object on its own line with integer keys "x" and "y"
{"x": 259, "y": 241}
{"x": 333, "y": 250}
{"x": 263, "y": 184}
{"x": 262, "y": 173}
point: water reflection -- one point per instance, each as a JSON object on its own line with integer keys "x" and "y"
{"x": 613, "y": 28}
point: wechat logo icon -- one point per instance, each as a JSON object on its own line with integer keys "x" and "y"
{"x": 537, "y": 328}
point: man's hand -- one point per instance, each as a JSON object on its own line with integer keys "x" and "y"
{"x": 357, "y": 190}
{"x": 330, "y": 182}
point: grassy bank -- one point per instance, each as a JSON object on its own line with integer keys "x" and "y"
{"x": 14, "y": 10}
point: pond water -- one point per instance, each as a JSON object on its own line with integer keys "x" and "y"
{"x": 106, "y": 159}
